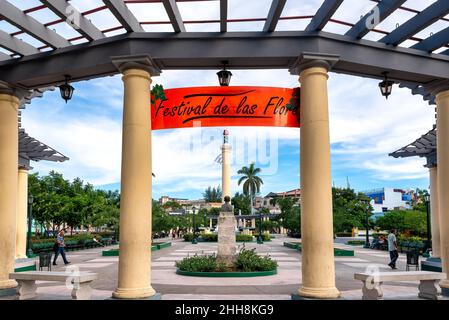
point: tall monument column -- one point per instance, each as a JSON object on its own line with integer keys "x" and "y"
{"x": 9, "y": 149}
{"x": 226, "y": 166}
{"x": 134, "y": 270}
{"x": 318, "y": 268}
{"x": 22, "y": 213}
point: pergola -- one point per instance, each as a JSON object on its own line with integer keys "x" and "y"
{"x": 38, "y": 54}
{"x": 426, "y": 146}
{"x": 30, "y": 149}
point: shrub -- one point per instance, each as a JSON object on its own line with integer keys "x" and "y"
{"x": 246, "y": 261}
{"x": 198, "y": 263}
{"x": 249, "y": 260}
{"x": 355, "y": 242}
{"x": 244, "y": 238}
{"x": 211, "y": 237}
{"x": 344, "y": 234}
{"x": 188, "y": 237}
{"x": 265, "y": 236}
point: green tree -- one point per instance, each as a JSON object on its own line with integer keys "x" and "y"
{"x": 241, "y": 203}
{"x": 409, "y": 221}
{"x": 251, "y": 181}
{"x": 349, "y": 209}
{"x": 212, "y": 194}
{"x": 290, "y": 216}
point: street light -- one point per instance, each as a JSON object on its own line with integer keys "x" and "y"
{"x": 66, "y": 89}
{"x": 367, "y": 202}
{"x": 259, "y": 238}
{"x": 194, "y": 241}
{"x": 224, "y": 76}
{"x": 30, "y": 219}
{"x": 429, "y": 232}
{"x": 386, "y": 86}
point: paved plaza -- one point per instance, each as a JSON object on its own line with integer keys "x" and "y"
{"x": 277, "y": 287}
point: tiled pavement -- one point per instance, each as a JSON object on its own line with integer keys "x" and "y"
{"x": 280, "y": 286}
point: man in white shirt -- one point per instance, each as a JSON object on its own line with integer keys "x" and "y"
{"x": 393, "y": 249}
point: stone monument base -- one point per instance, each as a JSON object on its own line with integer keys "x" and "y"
{"x": 226, "y": 238}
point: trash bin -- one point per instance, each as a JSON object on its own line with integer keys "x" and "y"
{"x": 412, "y": 260}
{"x": 45, "y": 260}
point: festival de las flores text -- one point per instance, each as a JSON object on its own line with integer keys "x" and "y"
{"x": 217, "y": 107}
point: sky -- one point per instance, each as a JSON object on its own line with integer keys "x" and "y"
{"x": 364, "y": 126}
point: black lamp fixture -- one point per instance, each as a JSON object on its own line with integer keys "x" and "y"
{"x": 386, "y": 86}
{"x": 224, "y": 76}
{"x": 66, "y": 89}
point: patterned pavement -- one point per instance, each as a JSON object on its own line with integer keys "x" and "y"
{"x": 276, "y": 287}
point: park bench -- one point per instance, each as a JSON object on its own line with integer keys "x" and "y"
{"x": 428, "y": 287}
{"x": 79, "y": 280}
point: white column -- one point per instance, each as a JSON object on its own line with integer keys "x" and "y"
{"x": 134, "y": 273}
{"x": 226, "y": 170}
{"x": 435, "y": 212}
{"x": 318, "y": 269}
{"x": 9, "y": 150}
{"x": 442, "y": 99}
{"x": 22, "y": 213}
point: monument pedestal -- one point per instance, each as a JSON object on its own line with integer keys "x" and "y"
{"x": 226, "y": 238}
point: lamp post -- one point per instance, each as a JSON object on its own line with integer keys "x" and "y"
{"x": 259, "y": 238}
{"x": 366, "y": 202}
{"x": 194, "y": 241}
{"x": 429, "y": 232}
{"x": 30, "y": 219}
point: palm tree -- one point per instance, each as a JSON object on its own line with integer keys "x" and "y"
{"x": 252, "y": 182}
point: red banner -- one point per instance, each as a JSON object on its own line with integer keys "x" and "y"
{"x": 225, "y": 106}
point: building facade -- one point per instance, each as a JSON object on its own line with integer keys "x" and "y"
{"x": 386, "y": 199}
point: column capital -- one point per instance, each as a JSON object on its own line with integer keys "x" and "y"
{"x": 437, "y": 87}
{"x": 431, "y": 160}
{"x": 309, "y": 60}
{"x": 144, "y": 62}
{"x": 17, "y": 92}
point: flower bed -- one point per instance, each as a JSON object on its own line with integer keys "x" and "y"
{"x": 247, "y": 264}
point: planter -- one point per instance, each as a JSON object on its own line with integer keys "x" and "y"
{"x": 154, "y": 247}
{"x": 292, "y": 245}
{"x": 234, "y": 274}
{"x": 337, "y": 252}
{"x": 163, "y": 245}
{"x": 110, "y": 253}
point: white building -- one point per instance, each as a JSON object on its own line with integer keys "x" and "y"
{"x": 385, "y": 199}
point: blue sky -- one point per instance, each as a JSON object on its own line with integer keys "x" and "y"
{"x": 364, "y": 127}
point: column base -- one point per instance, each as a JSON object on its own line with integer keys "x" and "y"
{"x": 444, "y": 285}
{"x": 138, "y": 293}
{"x": 318, "y": 293}
{"x": 445, "y": 292}
{"x": 8, "y": 284}
{"x": 156, "y": 296}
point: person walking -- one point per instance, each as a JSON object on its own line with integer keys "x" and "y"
{"x": 59, "y": 248}
{"x": 393, "y": 248}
